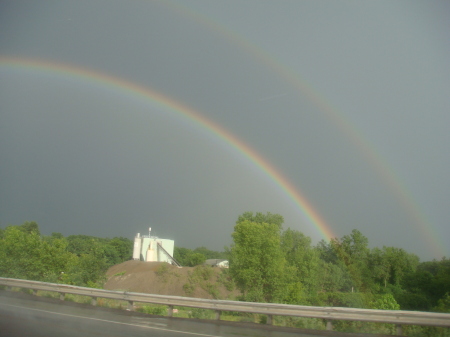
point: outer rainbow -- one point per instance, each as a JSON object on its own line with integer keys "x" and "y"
{"x": 390, "y": 179}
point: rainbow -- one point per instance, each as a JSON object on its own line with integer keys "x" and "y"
{"x": 184, "y": 112}
{"x": 392, "y": 181}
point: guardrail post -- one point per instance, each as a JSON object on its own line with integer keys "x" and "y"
{"x": 62, "y": 296}
{"x": 130, "y": 305}
{"x": 399, "y": 329}
{"x": 34, "y": 292}
{"x": 269, "y": 319}
{"x": 218, "y": 312}
{"x": 329, "y": 325}
{"x": 170, "y": 311}
{"x": 94, "y": 301}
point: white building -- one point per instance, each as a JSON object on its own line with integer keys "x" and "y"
{"x": 151, "y": 248}
{"x": 217, "y": 263}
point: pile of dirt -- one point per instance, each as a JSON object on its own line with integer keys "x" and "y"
{"x": 165, "y": 279}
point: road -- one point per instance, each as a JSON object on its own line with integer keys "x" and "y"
{"x": 31, "y": 316}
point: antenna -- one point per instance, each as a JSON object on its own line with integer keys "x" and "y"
{"x": 149, "y": 230}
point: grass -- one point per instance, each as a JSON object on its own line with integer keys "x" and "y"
{"x": 153, "y": 309}
{"x": 78, "y": 298}
{"x": 119, "y": 274}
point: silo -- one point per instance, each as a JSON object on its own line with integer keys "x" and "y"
{"x": 137, "y": 247}
{"x": 151, "y": 252}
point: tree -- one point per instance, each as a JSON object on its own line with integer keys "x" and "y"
{"x": 300, "y": 254}
{"x": 77, "y": 259}
{"x": 333, "y": 277}
{"x": 210, "y": 254}
{"x": 425, "y": 286}
{"x": 443, "y": 304}
{"x": 23, "y": 254}
{"x": 123, "y": 248}
{"x": 196, "y": 259}
{"x": 82, "y": 244}
{"x": 385, "y": 302}
{"x": 260, "y": 218}
{"x": 353, "y": 251}
{"x": 30, "y": 227}
{"x": 257, "y": 264}
{"x": 187, "y": 257}
{"x": 390, "y": 265}
{"x": 380, "y": 266}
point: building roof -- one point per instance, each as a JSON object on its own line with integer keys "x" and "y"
{"x": 215, "y": 262}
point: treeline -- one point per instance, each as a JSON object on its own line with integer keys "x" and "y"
{"x": 76, "y": 259}
{"x": 269, "y": 264}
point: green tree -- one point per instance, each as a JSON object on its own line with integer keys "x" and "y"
{"x": 25, "y": 255}
{"x": 30, "y": 227}
{"x": 425, "y": 286}
{"x": 260, "y": 218}
{"x": 257, "y": 263}
{"x": 210, "y": 254}
{"x": 385, "y": 302}
{"x": 380, "y": 266}
{"x": 196, "y": 259}
{"x": 123, "y": 249}
{"x": 333, "y": 277}
{"x": 304, "y": 258}
{"x": 353, "y": 251}
{"x": 187, "y": 257}
{"x": 180, "y": 254}
{"x": 77, "y": 259}
{"x": 82, "y": 244}
{"x": 443, "y": 304}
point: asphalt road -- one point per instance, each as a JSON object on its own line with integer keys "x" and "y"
{"x": 32, "y": 316}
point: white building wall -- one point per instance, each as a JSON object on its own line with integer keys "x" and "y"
{"x": 137, "y": 247}
{"x": 144, "y": 247}
{"x": 150, "y": 251}
{"x": 168, "y": 245}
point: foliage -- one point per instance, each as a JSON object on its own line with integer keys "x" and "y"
{"x": 160, "y": 310}
{"x": 305, "y": 260}
{"x": 203, "y": 277}
{"x": 443, "y": 304}
{"x": 191, "y": 258}
{"x": 257, "y": 263}
{"x": 114, "y": 251}
{"x": 187, "y": 257}
{"x": 385, "y": 302}
{"x": 77, "y": 259}
{"x": 25, "y": 255}
{"x": 352, "y": 250}
{"x": 210, "y": 254}
{"x": 261, "y": 218}
{"x": 225, "y": 279}
{"x": 424, "y": 287}
{"x": 201, "y": 313}
{"x": 163, "y": 269}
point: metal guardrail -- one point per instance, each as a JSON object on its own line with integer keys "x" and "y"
{"x": 397, "y": 317}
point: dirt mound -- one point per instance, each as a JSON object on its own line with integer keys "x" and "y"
{"x": 165, "y": 279}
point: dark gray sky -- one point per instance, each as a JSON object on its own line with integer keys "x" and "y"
{"x": 348, "y": 101}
